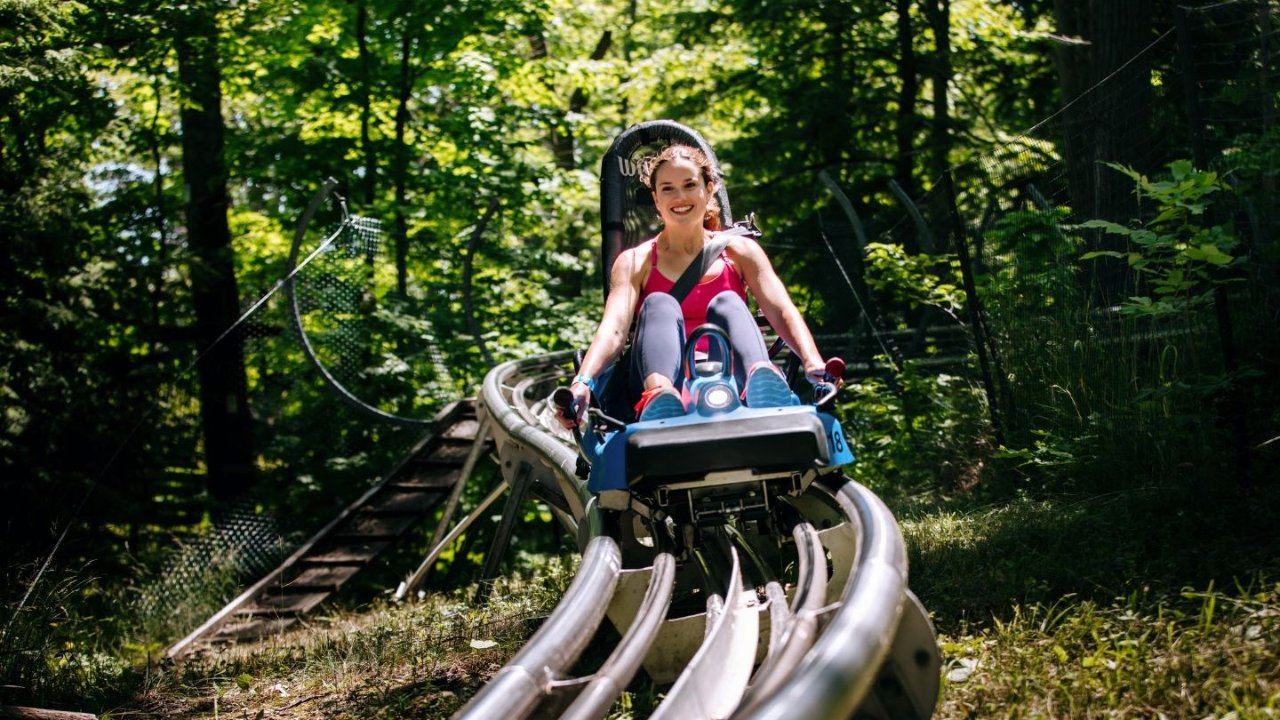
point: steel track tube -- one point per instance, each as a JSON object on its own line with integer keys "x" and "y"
{"x": 801, "y": 621}
{"x": 521, "y": 685}
{"x": 510, "y": 424}
{"x": 837, "y": 673}
{"x": 713, "y": 682}
{"x": 617, "y": 671}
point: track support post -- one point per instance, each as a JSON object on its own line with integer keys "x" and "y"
{"x": 520, "y": 483}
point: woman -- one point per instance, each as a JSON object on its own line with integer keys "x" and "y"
{"x": 683, "y": 183}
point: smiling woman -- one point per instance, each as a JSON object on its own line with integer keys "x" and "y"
{"x": 691, "y": 172}
{"x": 648, "y": 287}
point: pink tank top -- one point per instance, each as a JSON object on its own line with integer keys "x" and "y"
{"x": 694, "y": 305}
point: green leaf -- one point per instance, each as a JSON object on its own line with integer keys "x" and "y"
{"x": 1214, "y": 255}
{"x": 244, "y": 681}
{"x": 1181, "y": 169}
{"x": 1107, "y": 226}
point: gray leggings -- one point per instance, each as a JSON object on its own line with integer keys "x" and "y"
{"x": 658, "y": 344}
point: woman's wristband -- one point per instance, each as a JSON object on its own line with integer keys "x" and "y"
{"x": 587, "y": 380}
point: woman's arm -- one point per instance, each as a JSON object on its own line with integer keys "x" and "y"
{"x": 776, "y": 304}
{"x": 625, "y": 280}
{"x": 619, "y": 309}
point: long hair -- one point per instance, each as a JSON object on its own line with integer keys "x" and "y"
{"x": 649, "y": 169}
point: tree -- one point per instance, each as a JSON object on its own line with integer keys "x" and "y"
{"x": 228, "y": 427}
{"x": 938, "y": 13}
{"x": 909, "y": 88}
{"x": 1105, "y": 79}
{"x": 51, "y": 356}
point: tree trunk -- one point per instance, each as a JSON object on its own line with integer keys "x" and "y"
{"x": 1071, "y": 58}
{"x": 224, "y": 410}
{"x": 939, "y": 15}
{"x": 908, "y": 89}
{"x": 369, "y": 184}
{"x": 156, "y": 291}
{"x": 831, "y": 127}
{"x": 400, "y": 173}
{"x": 1106, "y": 90}
{"x": 633, "y": 13}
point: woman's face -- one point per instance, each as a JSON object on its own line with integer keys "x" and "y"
{"x": 679, "y": 193}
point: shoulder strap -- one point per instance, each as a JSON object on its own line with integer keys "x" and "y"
{"x": 710, "y": 251}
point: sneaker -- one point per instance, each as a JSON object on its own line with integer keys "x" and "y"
{"x": 767, "y": 388}
{"x": 659, "y": 403}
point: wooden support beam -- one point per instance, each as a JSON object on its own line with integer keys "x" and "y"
{"x": 14, "y": 712}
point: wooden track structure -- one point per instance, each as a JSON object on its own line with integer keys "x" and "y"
{"x": 431, "y": 473}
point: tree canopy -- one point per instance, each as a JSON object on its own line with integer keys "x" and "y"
{"x": 156, "y": 158}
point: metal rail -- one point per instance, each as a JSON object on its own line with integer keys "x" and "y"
{"x": 827, "y": 652}
{"x": 793, "y": 629}
{"x": 836, "y": 675}
{"x": 717, "y": 676}
{"x": 617, "y": 671}
{"x": 520, "y": 686}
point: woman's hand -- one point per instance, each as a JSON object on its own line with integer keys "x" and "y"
{"x": 825, "y": 372}
{"x": 572, "y": 416}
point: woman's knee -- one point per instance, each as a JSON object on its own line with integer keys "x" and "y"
{"x": 727, "y": 304}
{"x": 660, "y": 305}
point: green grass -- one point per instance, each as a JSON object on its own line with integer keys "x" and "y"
{"x": 1194, "y": 655}
{"x": 1159, "y": 602}
{"x": 1163, "y": 602}
{"x": 54, "y": 647}
{"x": 418, "y": 659}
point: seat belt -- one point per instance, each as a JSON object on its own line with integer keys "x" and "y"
{"x": 710, "y": 251}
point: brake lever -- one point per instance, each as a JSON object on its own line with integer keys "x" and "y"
{"x": 563, "y": 398}
{"x": 830, "y": 385}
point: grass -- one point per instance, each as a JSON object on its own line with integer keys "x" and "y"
{"x": 1158, "y": 602}
{"x": 1194, "y": 655}
{"x": 51, "y": 646}
{"x": 420, "y": 659}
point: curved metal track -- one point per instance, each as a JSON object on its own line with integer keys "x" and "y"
{"x": 851, "y": 639}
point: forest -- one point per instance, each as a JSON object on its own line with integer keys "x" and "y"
{"x": 248, "y": 248}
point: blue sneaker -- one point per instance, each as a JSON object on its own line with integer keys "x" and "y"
{"x": 766, "y": 388}
{"x": 660, "y": 403}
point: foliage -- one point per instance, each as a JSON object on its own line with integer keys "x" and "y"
{"x": 1251, "y": 161}
{"x": 1004, "y": 85}
{"x": 929, "y": 432}
{"x": 1181, "y": 260}
{"x": 912, "y": 281}
{"x": 1094, "y": 398}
